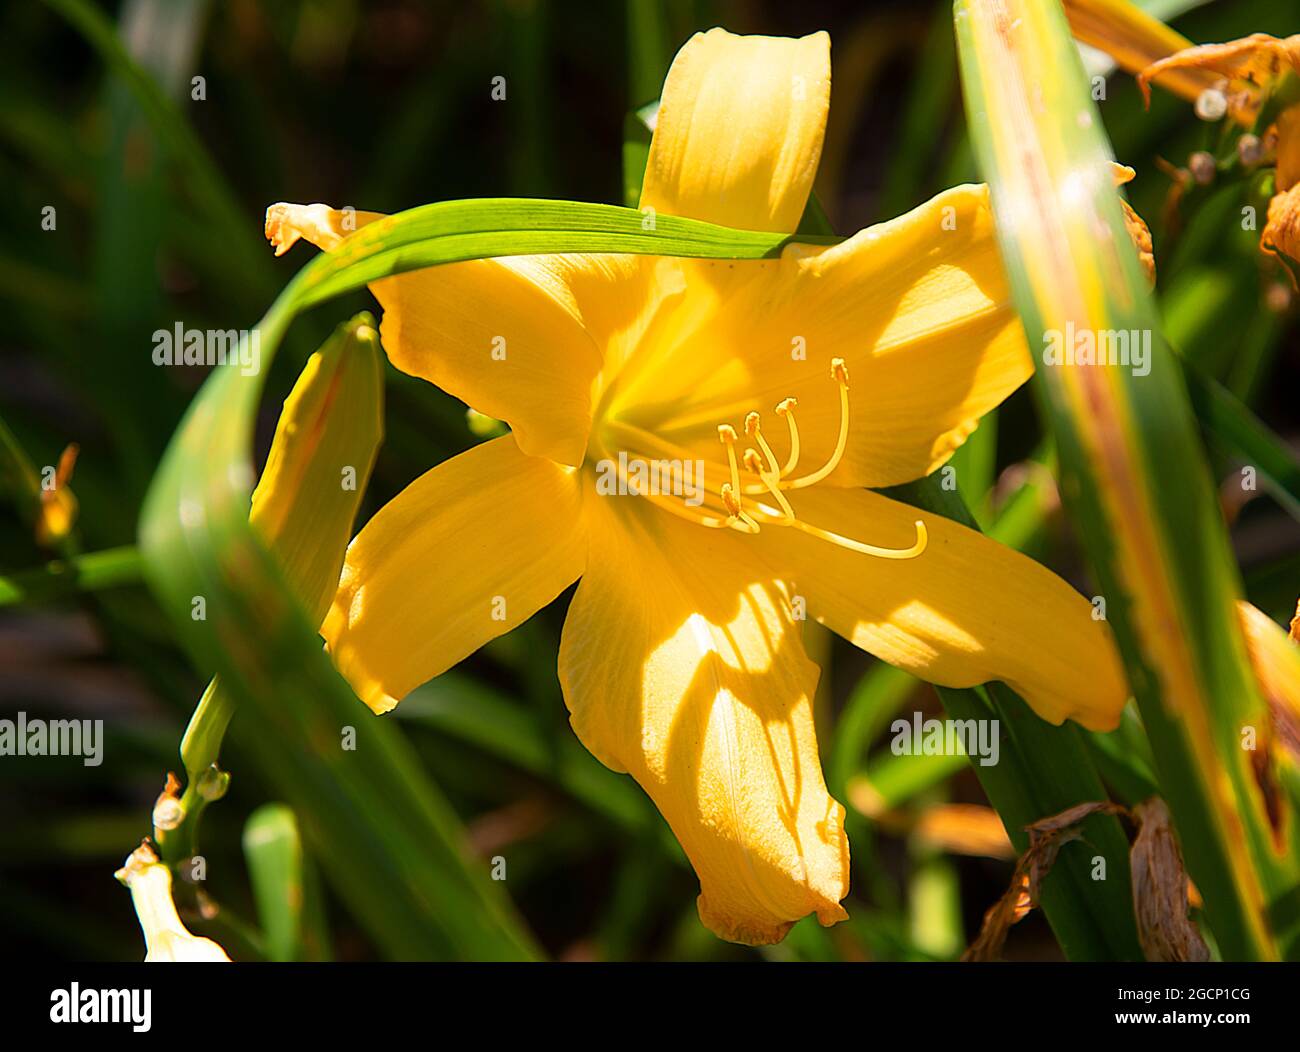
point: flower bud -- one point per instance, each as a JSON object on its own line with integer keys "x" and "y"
{"x": 1211, "y": 104}
{"x": 1203, "y": 167}
{"x": 213, "y": 783}
{"x": 168, "y": 811}
{"x": 57, "y": 511}
{"x": 166, "y": 938}
{"x": 324, "y": 447}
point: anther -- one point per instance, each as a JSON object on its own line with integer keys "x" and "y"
{"x": 773, "y": 480}
{"x": 737, "y": 519}
{"x": 730, "y": 492}
{"x": 785, "y": 408}
{"x": 730, "y": 501}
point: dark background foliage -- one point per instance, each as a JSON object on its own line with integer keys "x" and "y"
{"x": 384, "y": 106}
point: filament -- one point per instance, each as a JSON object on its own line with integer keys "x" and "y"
{"x": 785, "y": 408}
{"x": 840, "y": 373}
{"x": 773, "y": 480}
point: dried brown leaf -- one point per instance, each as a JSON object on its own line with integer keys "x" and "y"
{"x": 1046, "y": 838}
{"x": 1160, "y": 889}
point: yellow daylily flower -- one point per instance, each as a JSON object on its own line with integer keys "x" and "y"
{"x": 639, "y": 463}
{"x": 166, "y": 937}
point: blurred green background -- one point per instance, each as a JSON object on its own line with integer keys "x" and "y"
{"x": 384, "y": 106}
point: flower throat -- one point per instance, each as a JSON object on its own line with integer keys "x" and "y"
{"x": 749, "y": 506}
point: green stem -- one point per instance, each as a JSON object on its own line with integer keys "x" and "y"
{"x": 91, "y": 572}
{"x": 204, "y": 781}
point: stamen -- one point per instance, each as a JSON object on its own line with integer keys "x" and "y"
{"x": 917, "y": 547}
{"x": 731, "y": 492}
{"x": 727, "y": 435}
{"x": 762, "y": 462}
{"x": 840, "y": 374}
{"x": 756, "y": 433}
{"x": 922, "y": 540}
{"x": 771, "y": 481}
{"x": 785, "y": 408}
{"x": 769, "y": 474}
{"x": 730, "y": 501}
{"x": 739, "y": 520}
{"x": 670, "y": 504}
{"x": 682, "y": 512}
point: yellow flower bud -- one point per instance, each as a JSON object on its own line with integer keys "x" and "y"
{"x": 58, "y": 506}
{"x": 324, "y": 447}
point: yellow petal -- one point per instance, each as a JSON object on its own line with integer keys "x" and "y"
{"x": 1288, "y": 148}
{"x": 739, "y": 130}
{"x": 503, "y": 335}
{"x": 465, "y": 553}
{"x": 918, "y": 307}
{"x": 324, "y": 447}
{"x": 1275, "y": 659}
{"x": 963, "y": 829}
{"x": 681, "y": 665}
{"x": 1137, "y": 229}
{"x": 1282, "y": 231}
{"x": 965, "y": 611}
